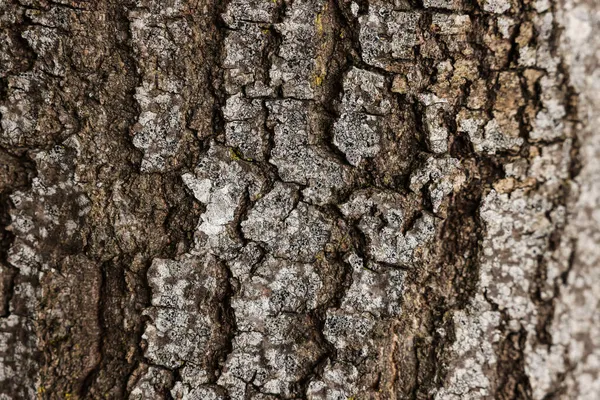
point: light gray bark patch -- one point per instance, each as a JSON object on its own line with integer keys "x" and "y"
{"x": 363, "y": 111}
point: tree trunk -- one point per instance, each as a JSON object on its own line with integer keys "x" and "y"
{"x": 289, "y": 199}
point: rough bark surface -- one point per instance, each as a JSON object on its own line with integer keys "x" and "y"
{"x": 299, "y": 199}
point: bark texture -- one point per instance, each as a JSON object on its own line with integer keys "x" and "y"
{"x": 299, "y": 199}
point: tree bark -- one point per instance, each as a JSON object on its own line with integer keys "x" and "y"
{"x": 289, "y": 199}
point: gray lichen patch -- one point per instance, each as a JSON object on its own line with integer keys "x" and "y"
{"x": 277, "y": 287}
{"x": 363, "y": 113}
{"x": 451, "y": 24}
{"x": 150, "y": 381}
{"x": 245, "y": 128}
{"x": 523, "y": 225}
{"x": 375, "y": 289}
{"x": 183, "y": 325}
{"x": 359, "y": 328}
{"x": 275, "y": 328}
{"x": 242, "y": 62}
{"x": 446, "y": 4}
{"x": 27, "y": 116}
{"x": 297, "y": 159}
{"x": 477, "y": 335}
{"x": 195, "y": 391}
{"x": 388, "y": 36}
{"x": 51, "y": 211}
{"x": 294, "y": 62}
{"x": 265, "y": 360}
{"x": 434, "y": 122}
{"x": 486, "y": 135}
{"x": 286, "y": 230}
{"x": 518, "y": 232}
{"x": 160, "y": 35}
{"x": 403, "y": 235}
{"x": 338, "y": 381}
{"x": 574, "y": 326}
{"x": 442, "y": 177}
{"x": 221, "y": 184}
{"x": 525, "y": 248}
{"x": 160, "y": 124}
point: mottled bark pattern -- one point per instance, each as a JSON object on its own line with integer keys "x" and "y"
{"x": 289, "y": 199}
